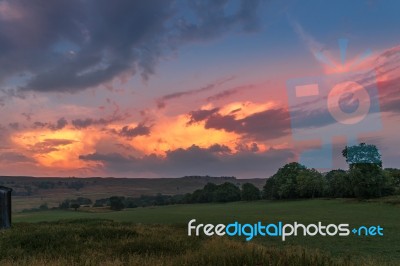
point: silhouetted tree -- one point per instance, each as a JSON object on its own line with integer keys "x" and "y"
{"x": 366, "y": 175}
{"x": 269, "y": 191}
{"x": 310, "y": 184}
{"x": 292, "y": 181}
{"x": 368, "y": 181}
{"x": 84, "y": 201}
{"x": 65, "y": 204}
{"x": 394, "y": 176}
{"x": 250, "y": 192}
{"x": 75, "y": 206}
{"x": 226, "y": 192}
{"x": 117, "y": 203}
{"x": 206, "y": 194}
{"x": 339, "y": 184}
{"x": 43, "y": 207}
{"x": 285, "y": 180}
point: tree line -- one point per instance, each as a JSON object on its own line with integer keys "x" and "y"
{"x": 226, "y": 192}
{"x": 364, "y": 179}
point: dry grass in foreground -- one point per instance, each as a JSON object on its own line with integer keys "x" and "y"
{"x": 103, "y": 242}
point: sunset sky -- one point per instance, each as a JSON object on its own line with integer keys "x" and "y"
{"x": 172, "y": 88}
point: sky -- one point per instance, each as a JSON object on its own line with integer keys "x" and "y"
{"x": 163, "y": 88}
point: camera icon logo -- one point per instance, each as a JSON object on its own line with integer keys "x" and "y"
{"x": 335, "y": 105}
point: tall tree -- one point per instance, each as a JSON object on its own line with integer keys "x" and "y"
{"x": 366, "y": 175}
{"x": 226, "y": 192}
{"x": 269, "y": 189}
{"x": 310, "y": 184}
{"x": 362, "y": 154}
{"x": 117, "y": 203}
{"x": 339, "y": 184}
{"x": 250, "y": 192}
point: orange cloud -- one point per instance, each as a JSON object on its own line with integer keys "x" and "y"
{"x": 56, "y": 149}
{"x": 61, "y": 149}
{"x": 171, "y": 133}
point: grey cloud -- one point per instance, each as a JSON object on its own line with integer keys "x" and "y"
{"x": 392, "y": 105}
{"x": 49, "y": 145}
{"x": 87, "y": 122}
{"x": 109, "y": 158}
{"x": 139, "y": 130}
{"x": 39, "y": 124}
{"x": 201, "y": 115}
{"x": 8, "y": 94}
{"x": 212, "y": 19}
{"x": 14, "y": 125}
{"x": 227, "y": 93}
{"x": 68, "y": 46}
{"x": 265, "y": 125}
{"x": 28, "y": 116}
{"x": 311, "y": 118}
{"x": 247, "y": 148}
{"x": 219, "y": 148}
{"x": 14, "y": 157}
{"x": 387, "y": 65}
{"x": 161, "y": 102}
{"x": 195, "y": 161}
{"x": 60, "y": 124}
{"x": 390, "y": 96}
{"x": 84, "y": 123}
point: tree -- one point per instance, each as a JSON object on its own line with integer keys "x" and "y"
{"x": 339, "y": 184}
{"x": 43, "y": 207}
{"x": 117, "y": 203}
{"x": 366, "y": 175}
{"x": 269, "y": 191}
{"x": 285, "y": 180}
{"x": 201, "y": 196}
{"x": 362, "y": 154}
{"x": 310, "y": 184}
{"x": 204, "y": 195}
{"x": 250, "y": 192}
{"x": 159, "y": 199}
{"x": 65, "y": 204}
{"x": 75, "y": 206}
{"x": 394, "y": 176}
{"x": 84, "y": 201}
{"x": 294, "y": 180}
{"x": 368, "y": 181}
{"x": 226, "y": 192}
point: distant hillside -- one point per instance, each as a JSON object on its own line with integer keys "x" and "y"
{"x": 31, "y": 192}
{"x": 211, "y": 178}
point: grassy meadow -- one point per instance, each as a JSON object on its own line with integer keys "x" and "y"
{"x": 172, "y": 220}
{"x": 104, "y": 242}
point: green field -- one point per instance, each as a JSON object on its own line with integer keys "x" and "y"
{"x": 385, "y": 248}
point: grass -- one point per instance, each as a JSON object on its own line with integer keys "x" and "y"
{"x": 104, "y": 242}
{"x": 355, "y": 213}
{"x": 394, "y": 200}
